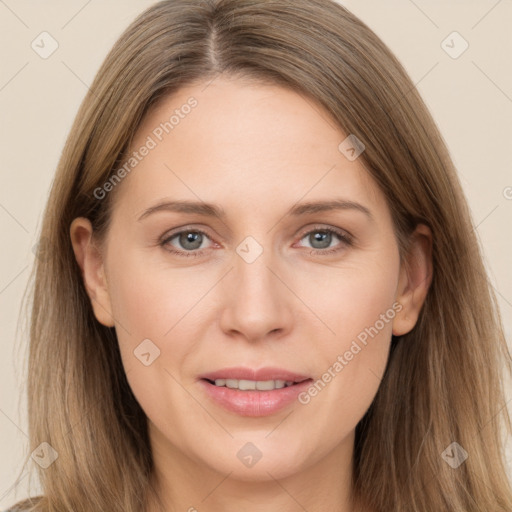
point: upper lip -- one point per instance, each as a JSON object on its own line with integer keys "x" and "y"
{"x": 260, "y": 374}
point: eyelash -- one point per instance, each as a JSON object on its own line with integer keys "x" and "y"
{"x": 343, "y": 236}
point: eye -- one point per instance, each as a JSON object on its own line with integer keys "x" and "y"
{"x": 321, "y": 238}
{"x": 188, "y": 242}
{"x": 191, "y": 242}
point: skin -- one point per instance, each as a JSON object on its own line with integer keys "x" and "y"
{"x": 255, "y": 150}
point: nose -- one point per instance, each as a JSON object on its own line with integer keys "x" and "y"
{"x": 257, "y": 301}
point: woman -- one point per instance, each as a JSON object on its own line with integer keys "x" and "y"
{"x": 262, "y": 289}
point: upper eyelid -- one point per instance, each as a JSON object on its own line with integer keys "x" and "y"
{"x": 320, "y": 227}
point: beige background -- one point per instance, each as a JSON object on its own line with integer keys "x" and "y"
{"x": 470, "y": 98}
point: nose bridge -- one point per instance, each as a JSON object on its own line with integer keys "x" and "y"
{"x": 256, "y": 299}
{"x": 252, "y": 269}
{"x": 253, "y": 278}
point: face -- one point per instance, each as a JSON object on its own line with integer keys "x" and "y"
{"x": 248, "y": 282}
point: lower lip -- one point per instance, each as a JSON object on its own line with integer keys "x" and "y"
{"x": 254, "y": 402}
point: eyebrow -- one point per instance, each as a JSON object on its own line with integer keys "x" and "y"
{"x": 212, "y": 210}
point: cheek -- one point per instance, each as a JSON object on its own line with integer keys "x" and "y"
{"x": 359, "y": 306}
{"x": 352, "y": 298}
{"x": 149, "y": 300}
{"x": 147, "y": 307}
{"x": 157, "y": 314}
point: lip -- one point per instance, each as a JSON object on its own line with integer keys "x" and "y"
{"x": 241, "y": 373}
{"x": 254, "y": 403}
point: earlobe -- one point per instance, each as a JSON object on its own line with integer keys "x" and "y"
{"x": 91, "y": 264}
{"x": 414, "y": 281}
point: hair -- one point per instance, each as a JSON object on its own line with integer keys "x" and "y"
{"x": 443, "y": 381}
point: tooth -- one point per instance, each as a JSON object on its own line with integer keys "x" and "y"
{"x": 266, "y": 385}
{"x": 246, "y": 384}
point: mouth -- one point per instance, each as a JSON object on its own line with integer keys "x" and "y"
{"x": 254, "y": 393}
{"x": 250, "y": 385}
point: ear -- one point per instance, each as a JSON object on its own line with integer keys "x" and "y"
{"x": 91, "y": 264}
{"x": 414, "y": 281}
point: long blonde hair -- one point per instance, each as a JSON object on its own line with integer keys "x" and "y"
{"x": 443, "y": 380}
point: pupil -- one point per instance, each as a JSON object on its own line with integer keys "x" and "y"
{"x": 190, "y": 238}
{"x": 324, "y": 237}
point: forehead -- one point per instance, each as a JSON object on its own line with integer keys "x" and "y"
{"x": 248, "y": 143}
